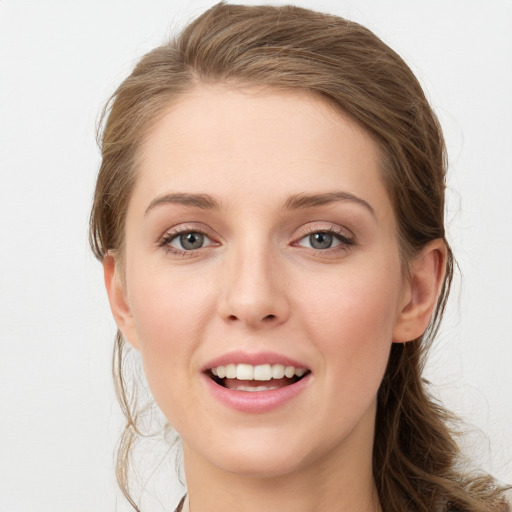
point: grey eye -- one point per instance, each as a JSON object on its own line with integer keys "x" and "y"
{"x": 321, "y": 240}
{"x": 189, "y": 241}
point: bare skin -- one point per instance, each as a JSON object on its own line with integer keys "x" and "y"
{"x": 260, "y": 228}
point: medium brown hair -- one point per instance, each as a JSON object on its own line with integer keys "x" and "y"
{"x": 416, "y": 460}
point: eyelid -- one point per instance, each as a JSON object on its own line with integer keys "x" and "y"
{"x": 345, "y": 236}
{"x": 325, "y": 227}
{"x": 172, "y": 233}
{"x": 177, "y": 237}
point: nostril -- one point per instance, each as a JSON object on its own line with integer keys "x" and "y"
{"x": 252, "y": 318}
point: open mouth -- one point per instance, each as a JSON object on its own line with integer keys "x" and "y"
{"x": 265, "y": 377}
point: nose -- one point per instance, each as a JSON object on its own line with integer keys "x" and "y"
{"x": 254, "y": 290}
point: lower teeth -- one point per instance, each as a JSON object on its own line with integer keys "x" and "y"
{"x": 265, "y": 386}
{"x": 257, "y": 388}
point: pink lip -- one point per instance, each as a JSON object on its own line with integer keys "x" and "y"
{"x": 238, "y": 357}
{"x": 254, "y": 401}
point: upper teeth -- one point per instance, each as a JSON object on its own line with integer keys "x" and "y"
{"x": 259, "y": 372}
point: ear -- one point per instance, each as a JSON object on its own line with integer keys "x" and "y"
{"x": 116, "y": 291}
{"x": 426, "y": 274}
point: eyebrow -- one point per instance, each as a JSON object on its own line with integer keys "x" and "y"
{"x": 299, "y": 201}
{"x": 203, "y": 201}
{"x": 294, "y": 202}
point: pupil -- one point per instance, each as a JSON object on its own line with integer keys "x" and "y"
{"x": 191, "y": 241}
{"x": 320, "y": 240}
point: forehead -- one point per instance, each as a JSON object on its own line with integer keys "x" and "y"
{"x": 222, "y": 139}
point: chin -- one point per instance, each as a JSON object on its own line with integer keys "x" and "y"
{"x": 261, "y": 465}
{"x": 261, "y": 454}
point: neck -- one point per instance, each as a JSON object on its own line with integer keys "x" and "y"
{"x": 340, "y": 481}
{"x": 281, "y": 496}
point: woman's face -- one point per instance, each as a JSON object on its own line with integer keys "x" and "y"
{"x": 260, "y": 242}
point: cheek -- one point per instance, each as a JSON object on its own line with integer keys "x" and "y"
{"x": 170, "y": 317}
{"x": 167, "y": 310}
{"x": 352, "y": 320}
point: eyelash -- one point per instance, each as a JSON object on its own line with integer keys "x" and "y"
{"x": 166, "y": 240}
{"x": 345, "y": 241}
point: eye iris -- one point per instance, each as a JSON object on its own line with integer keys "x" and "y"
{"x": 191, "y": 241}
{"x": 320, "y": 240}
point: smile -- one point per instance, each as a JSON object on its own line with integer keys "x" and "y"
{"x": 262, "y": 372}
{"x": 261, "y": 378}
{"x": 255, "y": 383}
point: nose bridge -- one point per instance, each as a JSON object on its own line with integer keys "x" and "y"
{"x": 254, "y": 291}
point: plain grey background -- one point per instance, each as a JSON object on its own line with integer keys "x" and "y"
{"x": 59, "y": 62}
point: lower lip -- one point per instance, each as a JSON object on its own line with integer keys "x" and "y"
{"x": 256, "y": 401}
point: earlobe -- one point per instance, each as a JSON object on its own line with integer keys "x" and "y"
{"x": 119, "y": 304}
{"x": 426, "y": 275}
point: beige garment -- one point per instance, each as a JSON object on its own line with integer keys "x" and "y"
{"x": 179, "y": 508}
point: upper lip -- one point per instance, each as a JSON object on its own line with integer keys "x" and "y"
{"x": 254, "y": 359}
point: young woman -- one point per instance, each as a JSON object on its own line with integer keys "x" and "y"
{"x": 269, "y": 215}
